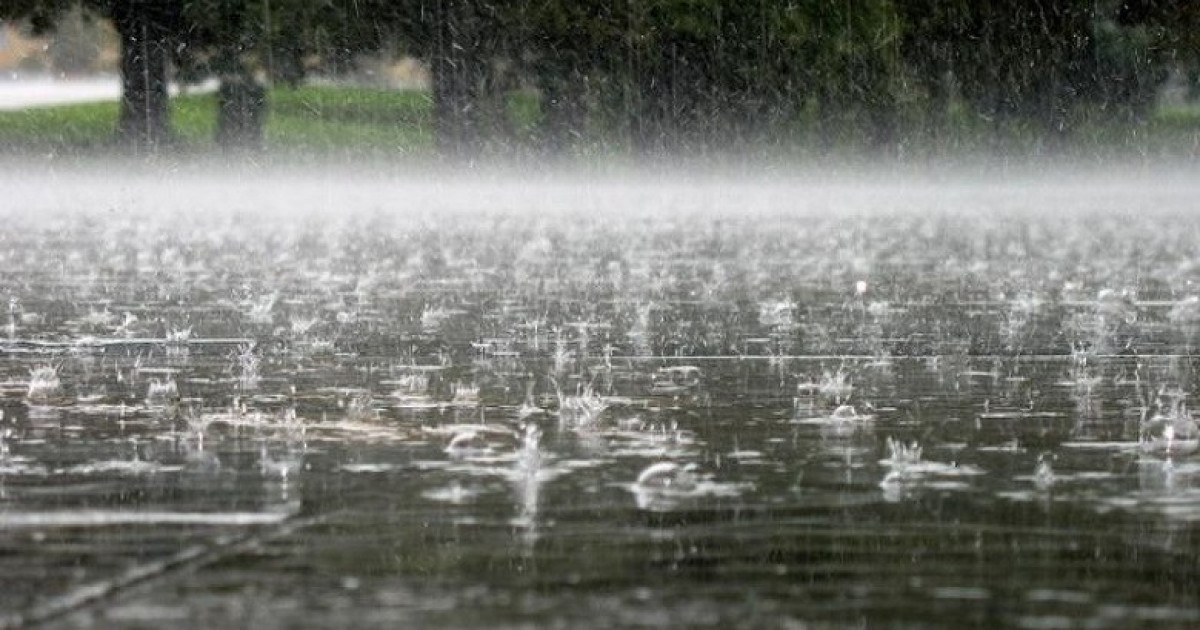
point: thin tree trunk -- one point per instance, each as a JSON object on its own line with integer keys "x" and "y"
{"x": 451, "y": 69}
{"x": 241, "y": 109}
{"x": 562, "y": 108}
{"x": 144, "y": 31}
{"x": 937, "y": 103}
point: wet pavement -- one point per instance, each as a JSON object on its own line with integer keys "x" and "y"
{"x": 910, "y": 413}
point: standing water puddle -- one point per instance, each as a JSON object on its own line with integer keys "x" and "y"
{"x": 425, "y": 410}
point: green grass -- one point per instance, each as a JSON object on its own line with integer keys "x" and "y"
{"x": 309, "y": 119}
{"x": 317, "y": 119}
{"x": 366, "y": 106}
{"x": 339, "y": 121}
{"x": 193, "y": 118}
{"x": 80, "y": 127}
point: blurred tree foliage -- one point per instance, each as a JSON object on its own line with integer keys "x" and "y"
{"x": 77, "y": 47}
{"x": 679, "y": 75}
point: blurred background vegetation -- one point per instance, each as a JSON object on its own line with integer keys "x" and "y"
{"x": 629, "y": 77}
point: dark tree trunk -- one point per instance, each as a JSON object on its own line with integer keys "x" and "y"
{"x": 287, "y": 66}
{"x": 145, "y": 30}
{"x": 937, "y": 102}
{"x": 649, "y": 126}
{"x": 453, "y": 62}
{"x": 562, "y": 93}
{"x": 880, "y": 106}
{"x": 241, "y": 105}
{"x": 831, "y": 111}
{"x": 657, "y": 123}
{"x": 241, "y": 100}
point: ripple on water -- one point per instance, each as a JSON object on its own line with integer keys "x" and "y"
{"x": 119, "y": 466}
{"x": 399, "y": 356}
{"x": 669, "y": 486}
{"x": 110, "y": 518}
{"x": 18, "y": 466}
{"x": 454, "y": 493}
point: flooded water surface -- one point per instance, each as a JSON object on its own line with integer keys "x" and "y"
{"x": 370, "y": 403}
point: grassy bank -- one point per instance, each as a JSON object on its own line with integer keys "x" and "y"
{"x": 336, "y": 121}
{"x": 310, "y": 119}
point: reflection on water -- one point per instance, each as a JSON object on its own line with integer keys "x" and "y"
{"x": 375, "y": 420}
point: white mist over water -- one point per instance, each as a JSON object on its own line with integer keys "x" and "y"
{"x": 474, "y": 408}
{"x": 233, "y": 191}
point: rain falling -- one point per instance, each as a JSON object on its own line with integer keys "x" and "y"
{"x": 664, "y": 314}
